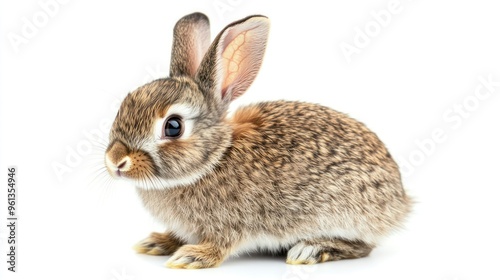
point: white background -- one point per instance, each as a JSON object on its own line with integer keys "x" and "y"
{"x": 66, "y": 78}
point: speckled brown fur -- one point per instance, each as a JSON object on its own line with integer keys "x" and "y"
{"x": 278, "y": 175}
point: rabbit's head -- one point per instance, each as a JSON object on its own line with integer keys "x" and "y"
{"x": 173, "y": 131}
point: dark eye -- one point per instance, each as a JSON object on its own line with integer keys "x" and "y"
{"x": 173, "y": 127}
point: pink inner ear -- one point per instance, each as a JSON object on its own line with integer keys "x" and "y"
{"x": 233, "y": 57}
{"x": 241, "y": 57}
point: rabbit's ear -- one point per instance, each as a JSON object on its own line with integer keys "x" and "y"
{"x": 234, "y": 58}
{"x": 191, "y": 41}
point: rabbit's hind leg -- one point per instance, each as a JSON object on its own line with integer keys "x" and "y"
{"x": 323, "y": 250}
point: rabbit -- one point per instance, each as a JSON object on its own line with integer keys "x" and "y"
{"x": 279, "y": 177}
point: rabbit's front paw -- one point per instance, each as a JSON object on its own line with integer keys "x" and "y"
{"x": 158, "y": 244}
{"x": 195, "y": 257}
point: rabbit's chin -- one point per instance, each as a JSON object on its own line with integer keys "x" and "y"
{"x": 158, "y": 183}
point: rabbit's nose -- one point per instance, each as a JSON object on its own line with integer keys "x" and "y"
{"x": 122, "y": 164}
{"x": 117, "y": 159}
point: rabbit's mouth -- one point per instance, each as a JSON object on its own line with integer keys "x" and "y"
{"x": 118, "y": 173}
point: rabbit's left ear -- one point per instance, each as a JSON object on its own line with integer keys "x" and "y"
{"x": 191, "y": 41}
{"x": 234, "y": 58}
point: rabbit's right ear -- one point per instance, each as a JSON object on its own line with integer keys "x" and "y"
{"x": 234, "y": 58}
{"x": 191, "y": 41}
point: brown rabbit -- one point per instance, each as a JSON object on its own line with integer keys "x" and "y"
{"x": 277, "y": 176}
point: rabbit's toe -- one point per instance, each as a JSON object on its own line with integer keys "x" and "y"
{"x": 195, "y": 257}
{"x": 303, "y": 254}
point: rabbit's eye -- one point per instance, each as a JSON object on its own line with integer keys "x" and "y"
{"x": 173, "y": 127}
